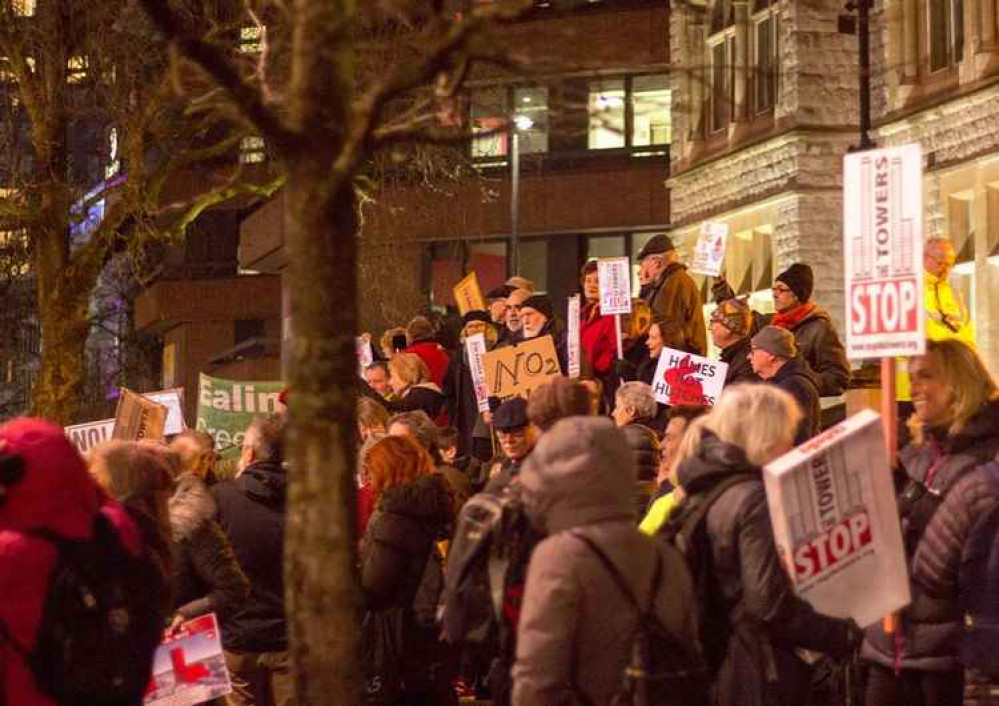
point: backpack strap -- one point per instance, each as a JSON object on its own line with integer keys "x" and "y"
{"x": 620, "y": 580}
{"x": 688, "y": 523}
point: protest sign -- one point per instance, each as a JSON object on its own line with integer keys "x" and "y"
{"x": 138, "y": 418}
{"x": 86, "y": 436}
{"x": 832, "y": 504}
{"x": 516, "y": 370}
{"x": 173, "y": 400}
{"x": 475, "y": 346}
{"x": 226, "y": 408}
{"x": 883, "y": 252}
{"x": 615, "y": 285}
{"x": 709, "y": 253}
{"x": 573, "y": 337}
{"x": 687, "y": 379}
{"x": 365, "y": 355}
{"x": 189, "y": 666}
{"x": 468, "y": 295}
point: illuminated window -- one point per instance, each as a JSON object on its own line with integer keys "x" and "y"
{"x": 489, "y": 119}
{"x": 252, "y": 150}
{"x": 250, "y": 39}
{"x": 607, "y": 108}
{"x": 650, "y": 104}
{"x": 531, "y": 106}
{"x": 76, "y": 69}
{"x": 24, "y": 8}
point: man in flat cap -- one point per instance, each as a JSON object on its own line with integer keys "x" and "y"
{"x": 673, "y": 296}
{"x": 775, "y": 359}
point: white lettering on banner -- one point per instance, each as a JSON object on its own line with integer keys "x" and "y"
{"x": 843, "y": 541}
{"x": 244, "y": 398}
{"x": 615, "y": 285}
{"x": 573, "y": 342}
{"x": 883, "y": 252}
{"x": 476, "y": 349}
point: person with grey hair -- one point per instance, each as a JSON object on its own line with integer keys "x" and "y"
{"x": 594, "y": 576}
{"x": 251, "y": 512}
{"x": 634, "y": 402}
{"x": 635, "y": 410}
{"x": 774, "y": 357}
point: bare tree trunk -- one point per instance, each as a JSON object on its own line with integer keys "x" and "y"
{"x": 321, "y": 551}
{"x": 57, "y": 393}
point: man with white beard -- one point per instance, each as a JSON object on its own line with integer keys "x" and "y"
{"x": 512, "y": 330}
{"x": 537, "y": 314}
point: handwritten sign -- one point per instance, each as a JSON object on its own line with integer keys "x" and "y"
{"x": 573, "y": 339}
{"x": 468, "y": 295}
{"x": 138, "y": 418}
{"x": 365, "y": 355}
{"x": 615, "y": 285}
{"x": 517, "y": 370}
{"x": 835, "y": 520}
{"x": 189, "y": 666}
{"x": 709, "y": 253}
{"x": 173, "y": 400}
{"x": 475, "y": 347}
{"x": 86, "y": 436}
{"x": 687, "y": 379}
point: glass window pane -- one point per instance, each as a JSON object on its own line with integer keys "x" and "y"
{"x": 531, "y": 114}
{"x": 650, "y": 100}
{"x": 939, "y": 35}
{"x": 606, "y": 106}
{"x": 605, "y": 246}
{"x": 957, "y": 20}
{"x": 765, "y": 64}
{"x": 488, "y": 117}
{"x": 719, "y": 97}
{"x": 533, "y": 262}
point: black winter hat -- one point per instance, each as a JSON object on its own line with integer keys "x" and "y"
{"x": 511, "y": 415}
{"x": 475, "y": 315}
{"x": 799, "y": 278}
{"x": 541, "y": 303}
{"x": 659, "y": 244}
{"x": 500, "y": 292}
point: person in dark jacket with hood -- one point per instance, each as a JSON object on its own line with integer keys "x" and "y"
{"x": 538, "y": 316}
{"x": 251, "y": 512}
{"x": 774, "y": 357}
{"x": 812, "y": 326}
{"x": 402, "y": 575}
{"x": 577, "y": 627}
{"x": 731, "y": 326}
{"x": 957, "y": 409}
{"x": 459, "y": 391}
{"x": 750, "y": 426}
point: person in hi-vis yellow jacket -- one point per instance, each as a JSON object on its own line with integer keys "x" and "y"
{"x": 947, "y": 316}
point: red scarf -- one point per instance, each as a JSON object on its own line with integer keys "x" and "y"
{"x": 791, "y": 318}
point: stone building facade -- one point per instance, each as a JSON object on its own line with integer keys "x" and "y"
{"x": 765, "y": 105}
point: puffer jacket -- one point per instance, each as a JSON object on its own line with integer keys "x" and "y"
{"x": 678, "y": 309}
{"x": 820, "y": 347}
{"x": 769, "y": 620}
{"x": 930, "y": 627}
{"x": 576, "y": 627}
{"x": 207, "y": 577}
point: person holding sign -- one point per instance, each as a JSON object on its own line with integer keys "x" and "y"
{"x": 459, "y": 390}
{"x": 673, "y": 295}
{"x": 774, "y": 359}
{"x": 538, "y": 315}
{"x": 597, "y": 332}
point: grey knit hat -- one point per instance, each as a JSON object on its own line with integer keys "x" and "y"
{"x": 776, "y": 341}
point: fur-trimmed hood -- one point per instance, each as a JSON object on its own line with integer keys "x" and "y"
{"x": 191, "y": 505}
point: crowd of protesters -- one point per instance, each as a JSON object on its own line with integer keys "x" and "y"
{"x": 587, "y": 545}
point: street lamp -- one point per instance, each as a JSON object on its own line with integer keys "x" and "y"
{"x": 520, "y": 123}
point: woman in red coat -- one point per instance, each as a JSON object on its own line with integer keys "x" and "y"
{"x": 597, "y": 332}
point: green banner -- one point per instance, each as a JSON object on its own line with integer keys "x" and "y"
{"x": 226, "y": 408}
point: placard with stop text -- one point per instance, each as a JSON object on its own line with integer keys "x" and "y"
{"x": 835, "y": 521}
{"x": 686, "y": 379}
{"x": 515, "y": 371}
{"x": 883, "y": 252}
{"x": 615, "y": 285}
{"x": 189, "y": 666}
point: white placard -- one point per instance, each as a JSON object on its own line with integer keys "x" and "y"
{"x": 173, "y": 400}
{"x": 365, "y": 355}
{"x": 835, "y": 519}
{"x": 709, "y": 253}
{"x": 573, "y": 343}
{"x": 615, "y": 285}
{"x": 475, "y": 346}
{"x": 86, "y": 436}
{"x": 189, "y": 667}
{"x": 687, "y": 379}
{"x": 883, "y": 253}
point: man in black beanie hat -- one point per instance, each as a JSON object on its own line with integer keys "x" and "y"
{"x": 814, "y": 333}
{"x": 538, "y": 314}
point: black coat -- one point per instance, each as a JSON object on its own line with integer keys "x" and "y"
{"x": 739, "y": 367}
{"x": 252, "y": 514}
{"x": 795, "y": 378}
{"x": 207, "y": 577}
{"x": 426, "y": 397}
{"x": 750, "y": 577}
{"x": 459, "y": 395}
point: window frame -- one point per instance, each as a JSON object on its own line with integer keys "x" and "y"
{"x": 770, "y": 14}
{"x": 953, "y": 41}
{"x": 726, "y": 39}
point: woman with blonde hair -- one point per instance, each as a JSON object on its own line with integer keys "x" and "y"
{"x": 749, "y": 599}
{"x": 410, "y": 381}
{"x": 957, "y": 414}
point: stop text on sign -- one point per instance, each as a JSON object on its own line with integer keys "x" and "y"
{"x": 837, "y": 544}
{"x": 884, "y": 306}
